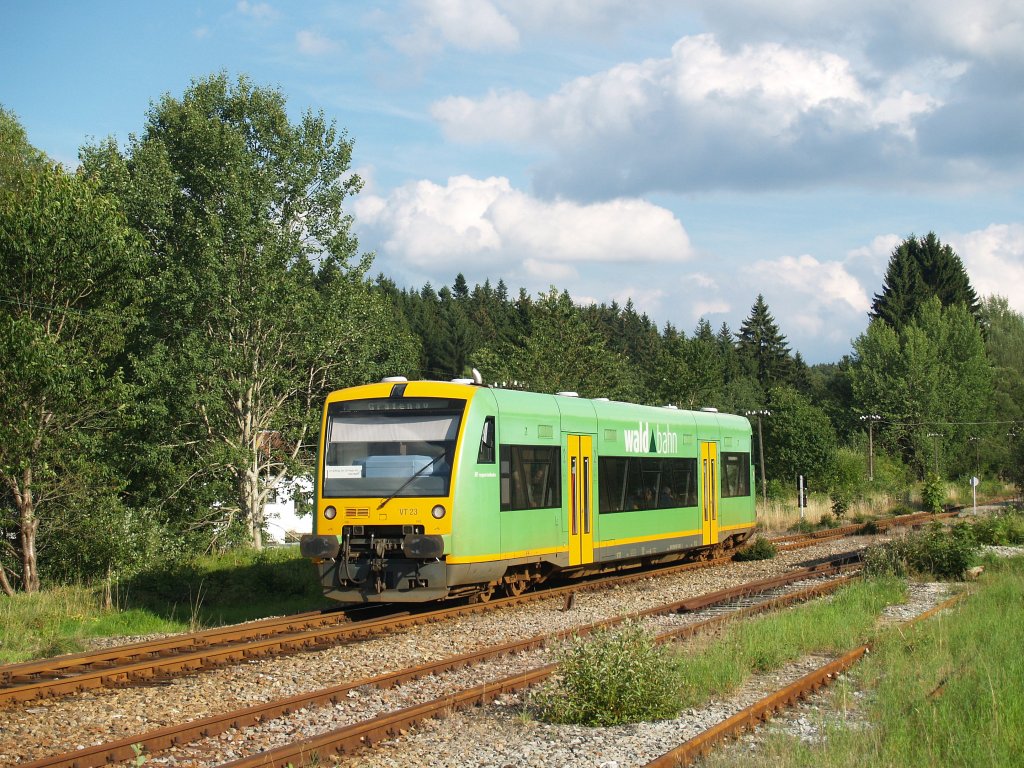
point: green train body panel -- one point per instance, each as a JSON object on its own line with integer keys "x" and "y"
{"x": 483, "y": 532}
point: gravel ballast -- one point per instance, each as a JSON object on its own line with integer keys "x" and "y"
{"x": 496, "y": 735}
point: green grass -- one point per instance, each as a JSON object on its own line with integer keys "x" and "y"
{"x": 61, "y": 620}
{"x": 830, "y": 626}
{"x": 621, "y": 677}
{"x": 948, "y": 691}
{"x": 222, "y": 589}
{"x": 177, "y": 597}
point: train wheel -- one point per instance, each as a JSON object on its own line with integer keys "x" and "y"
{"x": 483, "y": 596}
{"x": 516, "y": 586}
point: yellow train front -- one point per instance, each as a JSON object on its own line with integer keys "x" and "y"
{"x": 433, "y": 490}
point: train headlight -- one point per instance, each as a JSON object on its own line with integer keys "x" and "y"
{"x": 438, "y": 512}
{"x": 330, "y": 513}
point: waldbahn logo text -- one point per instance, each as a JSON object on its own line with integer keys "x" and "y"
{"x": 645, "y": 440}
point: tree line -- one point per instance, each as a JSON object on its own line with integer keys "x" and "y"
{"x": 174, "y": 311}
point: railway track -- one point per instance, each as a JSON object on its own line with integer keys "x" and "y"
{"x": 144, "y": 663}
{"x": 758, "y": 596}
{"x": 688, "y": 752}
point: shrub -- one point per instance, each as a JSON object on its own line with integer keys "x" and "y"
{"x": 901, "y": 509}
{"x": 1002, "y": 529}
{"x": 935, "y": 553}
{"x": 759, "y": 549}
{"x": 868, "y": 527}
{"x": 849, "y": 482}
{"x": 826, "y": 521}
{"x": 617, "y": 676}
{"x": 803, "y": 525}
{"x": 933, "y": 493}
{"x": 840, "y": 504}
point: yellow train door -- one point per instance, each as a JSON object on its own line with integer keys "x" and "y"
{"x": 580, "y": 506}
{"x": 709, "y": 465}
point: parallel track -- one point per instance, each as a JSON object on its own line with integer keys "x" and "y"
{"x": 140, "y": 663}
{"x": 687, "y": 753}
{"x": 372, "y": 730}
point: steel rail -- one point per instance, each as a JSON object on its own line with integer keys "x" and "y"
{"x": 186, "y": 654}
{"x": 183, "y": 655}
{"x": 349, "y": 738}
{"x": 162, "y": 739}
{"x": 76, "y": 662}
{"x": 687, "y": 753}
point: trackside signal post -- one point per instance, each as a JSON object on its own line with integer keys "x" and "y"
{"x": 801, "y": 494}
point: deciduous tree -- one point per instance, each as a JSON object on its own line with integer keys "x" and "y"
{"x": 930, "y": 381}
{"x": 70, "y": 285}
{"x": 259, "y": 299}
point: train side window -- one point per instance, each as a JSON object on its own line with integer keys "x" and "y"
{"x": 735, "y": 474}
{"x": 486, "y": 453}
{"x": 530, "y": 477}
{"x": 641, "y": 483}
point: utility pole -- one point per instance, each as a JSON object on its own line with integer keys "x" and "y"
{"x": 760, "y": 446}
{"x": 871, "y": 418}
{"x": 935, "y": 446}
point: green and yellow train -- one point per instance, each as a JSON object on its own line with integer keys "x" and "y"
{"x": 433, "y": 490}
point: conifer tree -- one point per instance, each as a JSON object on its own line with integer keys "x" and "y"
{"x": 762, "y": 347}
{"x": 919, "y": 269}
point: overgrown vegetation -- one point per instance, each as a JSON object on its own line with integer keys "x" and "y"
{"x": 933, "y": 493}
{"x": 1004, "y": 528}
{"x": 937, "y": 552}
{"x": 946, "y": 692}
{"x": 616, "y": 676}
{"x": 178, "y": 597}
{"x": 621, "y": 676}
{"x": 759, "y": 549}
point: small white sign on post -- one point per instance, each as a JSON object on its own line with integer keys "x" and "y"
{"x": 974, "y": 490}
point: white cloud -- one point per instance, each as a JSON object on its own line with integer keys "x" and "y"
{"x": 994, "y": 260}
{"x": 473, "y": 25}
{"x": 548, "y": 272}
{"x": 876, "y": 253}
{"x": 262, "y": 12}
{"x": 700, "y": 80}
{"x": 705, "y": 116}
{"x": 706, "y": 307}
{"x": 312, "y": 43}
{"x": 823, "y": 300}
{"x": 426, "y": 224}
{"x": 500, "y": 25}
{"x": 982, "y": 29}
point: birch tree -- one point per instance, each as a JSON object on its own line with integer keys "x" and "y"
{"x": 260, "y": 305}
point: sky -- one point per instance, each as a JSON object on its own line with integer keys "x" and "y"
{"x": 687, "y": 156}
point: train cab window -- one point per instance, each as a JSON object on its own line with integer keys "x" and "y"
{"x": 530, "y": 477}
{"x": 735, "y": 474}
{"x": 485, "y": 455}
{"x": 381, "y": 447}
{"x": 636, "y": 483}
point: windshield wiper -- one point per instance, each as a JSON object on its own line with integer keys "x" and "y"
{"x": 405, "y": 485}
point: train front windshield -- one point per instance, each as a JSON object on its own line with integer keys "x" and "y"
{"x": 390, "y": 446}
